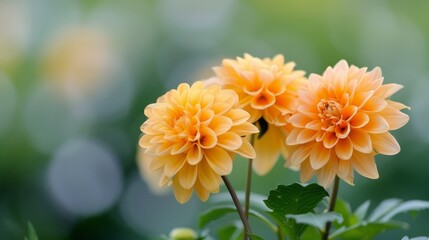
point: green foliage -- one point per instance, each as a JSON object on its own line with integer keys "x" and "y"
{"x": 293, "y": 200}
{"x": 317, "y": 220}
{"x": 31, "y": 233}
{"x": 357, "y": 225}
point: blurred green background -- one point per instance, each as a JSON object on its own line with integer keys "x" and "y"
{"x": 75, "y": 77}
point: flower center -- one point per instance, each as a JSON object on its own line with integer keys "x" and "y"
{"x": 330, "y": 116}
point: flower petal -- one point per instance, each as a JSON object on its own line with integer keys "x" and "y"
{"x": 359, "y": 120}
{"x": 395, "y": 118}
{"x": 202, "y": 192}
{"x": 181, "y": 194}
{"x": 345, "y": 171}
{"x": 361, "y": 141}
{"x": 238, "y": 116}
{"x": 385, "y": 143}
{"x": 300, "y": 154}
{"x": 267, "y": 149}
{"x": 326, "y": 175}
{"x": 208, "y": 179}
{"x": 194, "y": 155}
{"x": 376, "y": 124}
{"x": 230, "y": 141}
{"x": 219, "y": 160}
{"x": 319, "y": 156}
{"x": 220, "y": 124}
{"x": 173, "y": 165}
{"x": 187, "y": 176}
{"x": 364, "y": 163}
{"x": 306, "y": 171}
{"x": 344, "y": 149}
{"x": 246, "y": 150}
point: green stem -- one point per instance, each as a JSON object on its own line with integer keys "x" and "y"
{"x": 248, "y": 181}
{"x": 237, "y": 205}
{"x": 331, "y": 208}
{"x": 279, "y": 233}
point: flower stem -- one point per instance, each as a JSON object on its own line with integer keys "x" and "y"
{"x": 279, "y": 233}
{"x": 331, "y": 208}
{"x": 237, "y": 205}
{"x": 248, "y": 181}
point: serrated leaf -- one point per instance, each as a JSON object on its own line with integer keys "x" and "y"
{"x": 263, "y": 127}
{"x": 295, "y": 198}
{"x": 220, "y": 211}
{"x": 31, "y": 233}
{"x": 317, "y": 220}
{"x": 412, "y": 205}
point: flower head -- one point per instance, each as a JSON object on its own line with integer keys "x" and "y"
{"x": 342, "y": 121}
{"x": 268, "y": 89}
{"x": 191, "y": 134}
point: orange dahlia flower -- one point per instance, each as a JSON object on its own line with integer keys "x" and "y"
{"x": 191, "y": 135}
{"x": 268, "y": 89}
{"x": 342, "y": 121}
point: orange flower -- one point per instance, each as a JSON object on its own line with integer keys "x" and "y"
{"x": 343, "y": 120}
{"x": 191, "y": 135}
{"x": 268, "y": 89}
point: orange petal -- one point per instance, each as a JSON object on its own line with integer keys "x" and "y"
{"x": 376, "y": 124}
{"x": 306, "y": 135}
{"x": 394, "y": 117}
{"x": 387, "y": 90}
{"x": 187, "y": 176}
{"x": 364, "y": 164}
{"x": 220, "y": 124}
{"x": 385, "y": 143}
{"x": 173, "y": 165}
{"x": 181, "y": 194}
{"x": 267, "y": 150}
{"x": 359, "y": 120}
{"x": 319, "y": 156}
{"x": 292, "y": 138}
{"x": 202, "y": 193}
{"x": 300, "y": 154}
{"x": 230, "y": 141}
{"x": 326, "y": 175}
{"x": 329, "y": 139}
{"x": 345, "y": 171}
{"x": 246, "y": 150}
{"x": 219, "y": 160}
{"x": 194, "y": 155}
{"x": 342, "y": 129}
{"x": 344, "y": 149}
{"x": 374, "y": 104}
{"x": 348, "y": 112}
{"x": 306, "y": 171}
{"x": 207, "y": 177}
{"x": 299, "y": 120}
{"x": 361, "y": 141}
{"x": 244, "y": 129}
{"x": 158, "y": 162}
{"x": 238, "y": 116}
{"x": 208, "y": 138}
{"x": 263, "y": 100}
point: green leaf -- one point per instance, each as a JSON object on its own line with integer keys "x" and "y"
{"x": 256, "y": 200}
{"x": 220, "y": 211}
{"x": 365, "y": 230}
{"x": 293, "y": 199}
{"x": 254, "y": 236}
{"x": 317, "y": 220}
{"x": 361, "y": 211}
{"x": 263, "y": 127}
{"x": 412, "y": 205}
{"x": 31, "y": 233}
{"x": 384, "y": 207}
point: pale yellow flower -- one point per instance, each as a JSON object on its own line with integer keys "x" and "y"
{"x": 268, "y": 89}
{"x": 342, "y": 121}
{"x": 191, "y": 134}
